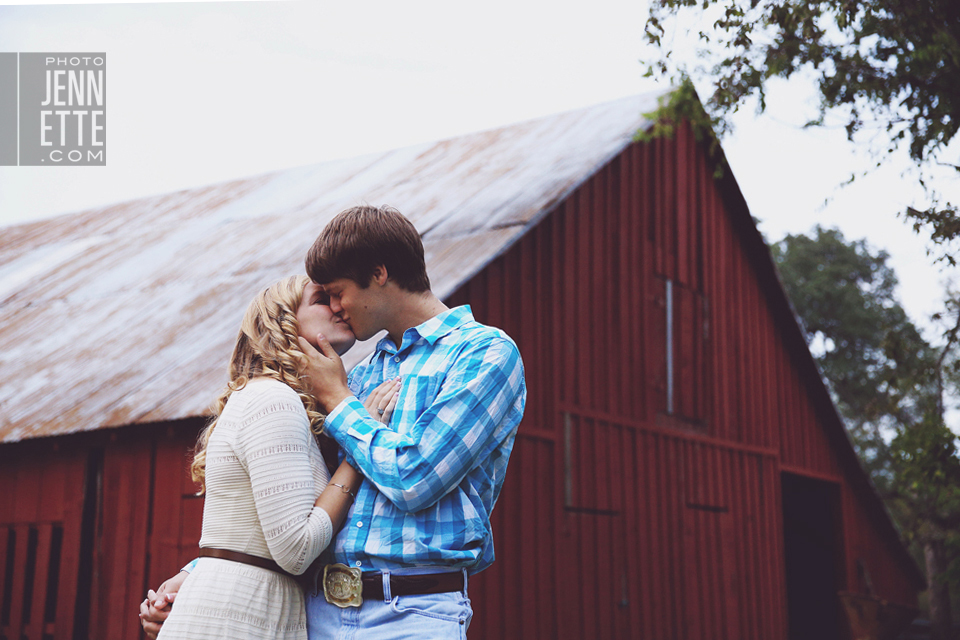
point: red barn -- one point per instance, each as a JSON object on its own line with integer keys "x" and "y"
{"x": 680, "y": 472}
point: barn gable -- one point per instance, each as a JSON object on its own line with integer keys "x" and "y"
{"x": 678, "y": 453}
{"x": 675, "y": 419}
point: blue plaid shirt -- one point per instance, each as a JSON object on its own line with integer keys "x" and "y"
{"x": 433, "y": 474}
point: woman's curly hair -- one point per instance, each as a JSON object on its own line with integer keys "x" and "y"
{"x": 267, "y": 347}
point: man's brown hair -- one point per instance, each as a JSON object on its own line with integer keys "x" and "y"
{"x": 360, "y": 239}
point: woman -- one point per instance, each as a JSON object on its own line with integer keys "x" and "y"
{"x": 271, "y": 506}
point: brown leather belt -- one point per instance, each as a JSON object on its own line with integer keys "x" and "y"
{"x": 245, "y": 558}
{"x": 411, "y": 585}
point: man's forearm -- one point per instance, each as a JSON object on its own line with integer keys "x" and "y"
{"x": 464, "y": 424}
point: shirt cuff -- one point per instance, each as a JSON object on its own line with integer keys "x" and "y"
{"x": 347, "y": 419}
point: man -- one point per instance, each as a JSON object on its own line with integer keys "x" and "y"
{"x": 420, "y": 523}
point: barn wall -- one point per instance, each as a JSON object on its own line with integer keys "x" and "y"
{"x": 667, "y": 513}
{"x": 41, "y": 509}
{"x": 149, "y": 521}
{"x": 87, "y": 523}
{"x": 875, "y": 553}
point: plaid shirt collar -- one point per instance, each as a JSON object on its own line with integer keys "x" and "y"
{"x": 432, "y": 330}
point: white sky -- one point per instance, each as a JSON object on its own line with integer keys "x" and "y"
{"x": 204, "y": 92}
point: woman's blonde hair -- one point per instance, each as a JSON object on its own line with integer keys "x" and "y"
{"x": 266, "y": 347}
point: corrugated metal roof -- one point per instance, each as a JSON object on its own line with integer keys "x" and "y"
{"x": 127, "y": 314}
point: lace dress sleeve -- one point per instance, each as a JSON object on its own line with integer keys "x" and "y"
{"x": 274, "y": 443}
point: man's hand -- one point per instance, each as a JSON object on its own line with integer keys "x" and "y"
{"x": 325, "y": 374}
{"x": 155, "y": 609}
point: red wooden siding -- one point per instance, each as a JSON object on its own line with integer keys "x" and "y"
{"x": 663, "y": 525}
{"x": 150, "y": 522}
{"x": 87, "y": 523}
{"x": 124, "y": 517}
{"x": 876, "y": 553}
{"x": 175, "y": 534}
{"x": 41, "y": 509}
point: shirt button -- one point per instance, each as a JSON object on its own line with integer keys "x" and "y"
{"x": 396, "y": 358}
{"x": 359, "y": 524}
{"x": 359, "y": 563}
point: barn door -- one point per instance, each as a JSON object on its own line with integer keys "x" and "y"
{"x": 731, "y": 586}
{"x": 596, "y": 600}
{"x": 811, "y": 532}
{"x": 678, "y": 347}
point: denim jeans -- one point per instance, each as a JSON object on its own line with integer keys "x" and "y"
{"x": 429, "y": 616}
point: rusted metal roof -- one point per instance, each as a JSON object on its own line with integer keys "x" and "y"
{"x": 127, "y": 314}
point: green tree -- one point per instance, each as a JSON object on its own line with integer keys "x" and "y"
{"x": 889, "y": 385}
{"x": 890, "y": 64}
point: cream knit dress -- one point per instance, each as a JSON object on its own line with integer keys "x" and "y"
{"x": 264, "y": 471}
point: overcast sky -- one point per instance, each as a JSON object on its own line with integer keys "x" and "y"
{"x": 204, "y": 92}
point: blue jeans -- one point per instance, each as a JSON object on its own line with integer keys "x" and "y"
{"x": 429, "y": 616}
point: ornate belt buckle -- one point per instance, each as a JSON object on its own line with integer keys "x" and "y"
{"x": 342, "y": 585}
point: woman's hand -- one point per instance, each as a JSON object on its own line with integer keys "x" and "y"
{"x": 324, "y": 373}
{"x": 155, "y": 609}
{"x": 382, "y": 400}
